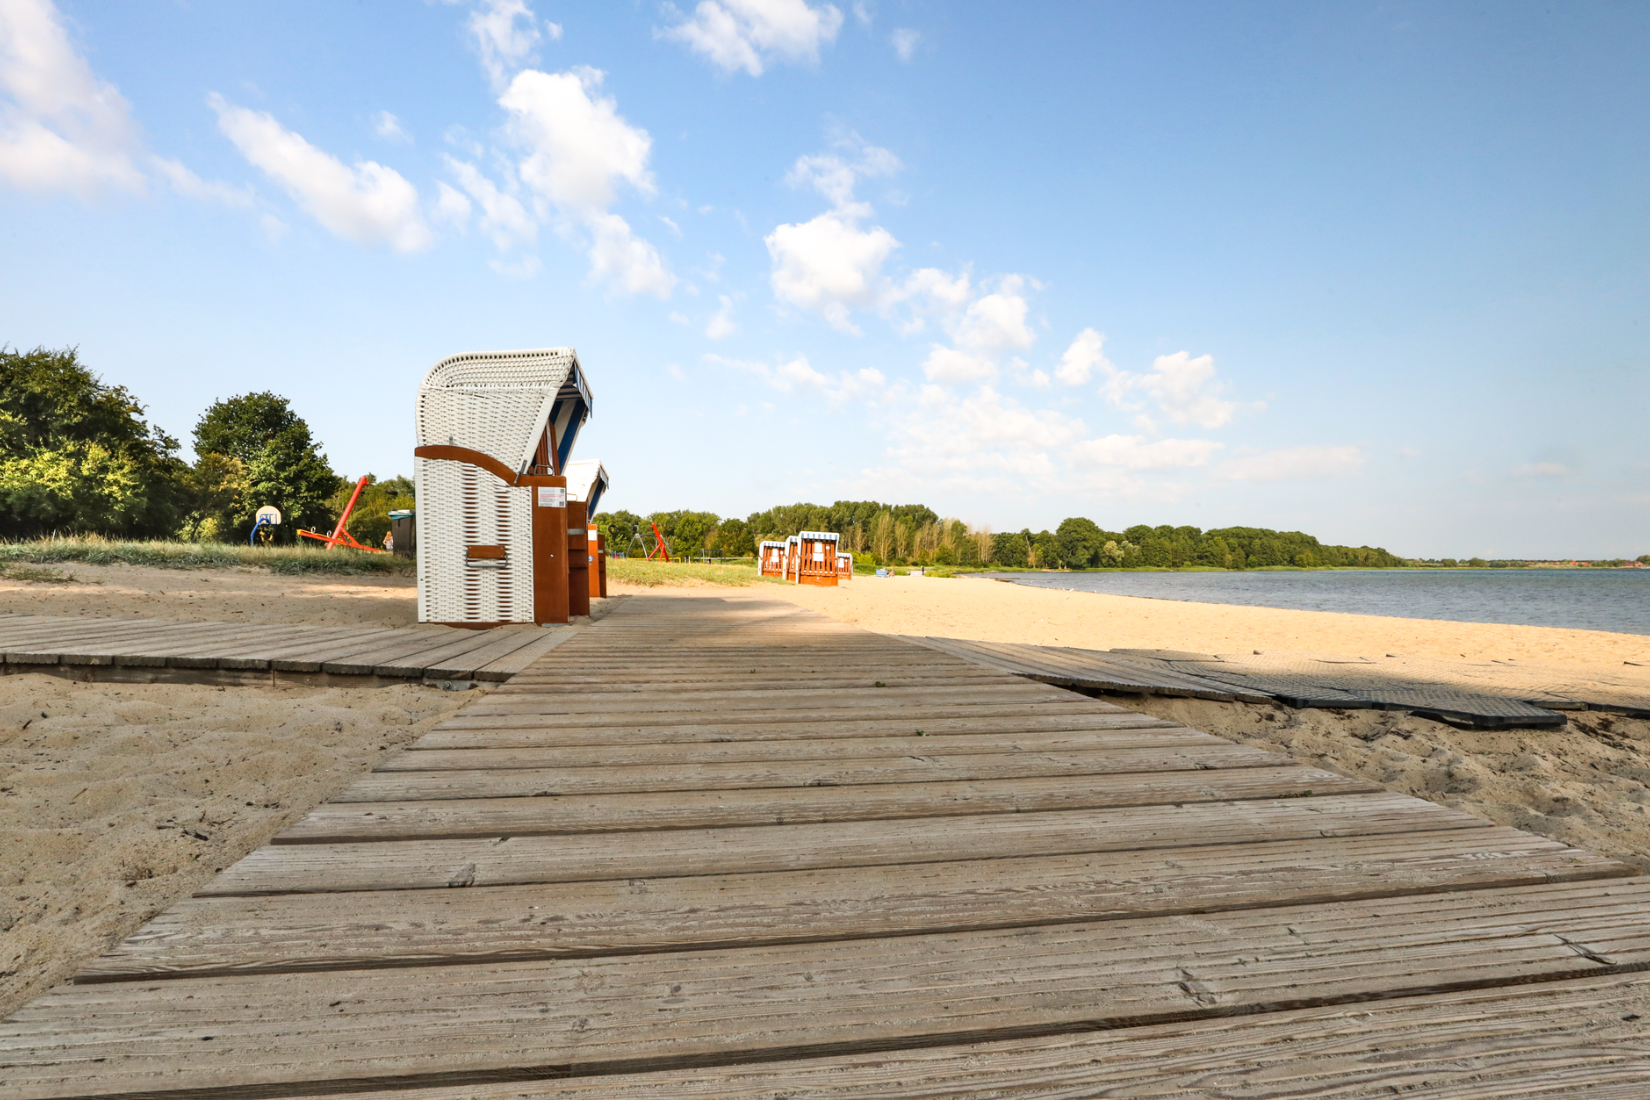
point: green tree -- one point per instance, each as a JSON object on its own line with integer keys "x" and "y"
{"x": 1080, "y": 542}
{"x": 76, "y": 455}
{"x": 283, "y": 466}
{"x": 733, "y": 539}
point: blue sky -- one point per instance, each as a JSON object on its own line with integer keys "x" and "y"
{"x": 1375, "y": 271}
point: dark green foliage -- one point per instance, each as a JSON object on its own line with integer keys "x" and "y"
{"x": 77, "y": 456}
{"x": 689, "y": 534}
{"x": 733, "y": 540}
{"x": 619, "y": 529}
{"x": 240, "y": 427}
{"x": 370, "y": 521}
{"x": 1012, "y": 551}
{"x": 268, "y": 457}
{"x": 841, "y": 517}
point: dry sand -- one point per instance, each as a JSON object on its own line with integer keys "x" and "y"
{"x": 117, "y": 800}
{"x": 992, "y": 611}
{"x": 216, "y": 595}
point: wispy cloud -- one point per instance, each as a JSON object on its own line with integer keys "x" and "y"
{"x": 748, "y": 35}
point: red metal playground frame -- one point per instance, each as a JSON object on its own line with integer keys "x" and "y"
{"x": 340, "y": 536}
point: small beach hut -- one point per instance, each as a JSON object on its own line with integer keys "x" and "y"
{"x": 791, "y": 552}
{"x": 816, "y": 558}
{"x": 844, "y": 566}
{"x": 495, "y": 432}
{"x": 771, "y": 559}
{"x": 586, "y": 482}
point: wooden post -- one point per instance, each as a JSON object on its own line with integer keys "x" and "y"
{"x": 550, "y": 604}
{"x": 578, "y": 561}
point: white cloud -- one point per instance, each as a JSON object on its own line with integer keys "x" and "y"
{"x": 836, "y": 174}
{"x": 502, "y": 216}
{"x": 186, "y": 183}
{"x": 995, "y": 323}
{"x": 61, "y": 128}
{"x": 862, "y": 12}
{"x": 368, "y": 204}
{"x": 619, "y": 257}
{"x": 579, "y": 150}
{"x": 722, "y": 323}
{"x": 1133, "y": 452}
{"x": 1080, "y": 360}
{"x": 981, "y": 439}
{"x": 386, "y": 125}
{"x": 745, "y": 34}
{"x": 451, "y": 206}
{"x": 991, "y": 325}
{"x": 1186, "y": 391}
{"x": 905, "y": 42}
{"x": 955, "y": 367}
{"x": 1541, "y": 469}
{"x": 828, "y": 264}
{"x": 1294, "y": 463}
{"x": 799, "y": 376}
{"x": 671, "y": 225}
{"x": 506, "y": 32}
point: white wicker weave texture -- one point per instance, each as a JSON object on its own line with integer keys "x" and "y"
{"x": 463, "y": 506}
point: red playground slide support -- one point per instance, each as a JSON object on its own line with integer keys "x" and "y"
{"x": 340, "y": 536}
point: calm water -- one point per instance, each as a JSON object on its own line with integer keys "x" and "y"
{"x": 1591, "y": 599}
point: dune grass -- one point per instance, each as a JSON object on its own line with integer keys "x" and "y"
{"x": 656, "y": 573}
{"x": 199, "y": 555}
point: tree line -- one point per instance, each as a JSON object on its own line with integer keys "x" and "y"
{"x": 77, "y": 457}
{"x": 914, "y": 534}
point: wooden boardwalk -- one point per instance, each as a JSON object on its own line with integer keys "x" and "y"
{"x": 165, "y": 651}
{"x": 1487, "y": 694}
{"x": 726, "y": 848}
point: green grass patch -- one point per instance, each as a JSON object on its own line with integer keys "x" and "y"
{"x": 38, "y": 574}
{"x": 656, "y": 573}
{"x": 200, "y": 555}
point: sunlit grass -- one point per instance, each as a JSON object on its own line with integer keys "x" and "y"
{"x": 652, "y": 574}
{"x": 200, "y": 555}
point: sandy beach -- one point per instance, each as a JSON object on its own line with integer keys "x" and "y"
{"x": 996, "y": 611}
{"x": 117, "y": 800}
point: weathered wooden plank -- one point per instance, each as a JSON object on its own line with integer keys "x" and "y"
{"x": 499, "y": 923}
{"x": 438, "y": 805}
{"x": 1553, "y": 1041}
{"x": 821, "y": 717}
{"x": 524, "y": 730}
{"x": 437, "y": 864}
{"x": 504, "y": 667}
{"x": 1196, "y": 750}
{"x": 401, "y": 652}
{"x": 457, "y": 647}
{"x": 792, "y": 701}
{"x": 499, "y": 643}
{"x": 753, "y": 775}
{"x": 626, "y": 1013}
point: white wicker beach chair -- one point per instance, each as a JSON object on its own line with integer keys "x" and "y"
{"x": 486, "y": 423}
{"x": 586, "y": 481}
